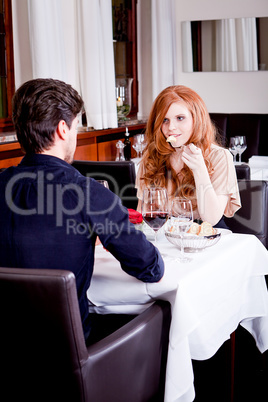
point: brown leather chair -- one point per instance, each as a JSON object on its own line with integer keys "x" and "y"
{"x": 252, "y": 217}
{"x": 120, "y": 176}
{"x": 43, "y": 355}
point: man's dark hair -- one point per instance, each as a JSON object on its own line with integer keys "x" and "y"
{"x": 38, "y": 106}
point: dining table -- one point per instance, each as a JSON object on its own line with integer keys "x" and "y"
{"x": 222, "y": 287}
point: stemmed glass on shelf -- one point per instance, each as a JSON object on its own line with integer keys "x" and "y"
{"x": 241, "y": 146}
{"x": 233, "y": 147}
{"x": 155, "y": 207}
{"x": 139, "y": 144}
{"x": 181, "y": 218}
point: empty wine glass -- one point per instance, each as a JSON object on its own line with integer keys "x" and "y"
{"x": 233, "y": 147}
{"x": 181, "y": 218}
{"x": 241, "y": 146}
{"x": 139, "y": 144}
{"x": 155, "y": 207}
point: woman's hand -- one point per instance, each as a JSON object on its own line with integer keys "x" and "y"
{"x": 210, "y": 205}
{"x": 192, "y": 157}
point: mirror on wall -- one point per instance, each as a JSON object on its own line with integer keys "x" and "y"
{"x": 235, "y": 44}
{"x": 125, "y": 47}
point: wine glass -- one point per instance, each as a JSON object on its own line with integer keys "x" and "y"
{"x": 139, "y": 144}
{"x": 104, "y": 183}
{"x": 155, "y": 207}
{"x": 233, "y": 147}
{"x": 181, "y": 218}
{"x": 241, "y": 145}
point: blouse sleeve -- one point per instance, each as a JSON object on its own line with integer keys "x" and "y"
{"x": 224, "y": 179}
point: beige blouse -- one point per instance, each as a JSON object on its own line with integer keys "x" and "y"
{"x": 223, "y": 180}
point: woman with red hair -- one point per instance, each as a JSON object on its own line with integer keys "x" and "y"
{"x": 183, "y": 155}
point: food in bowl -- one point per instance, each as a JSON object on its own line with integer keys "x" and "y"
{"x": 194, "y": 229}
{"x": 205, "y": 229}
{"x": 196, "y": 239}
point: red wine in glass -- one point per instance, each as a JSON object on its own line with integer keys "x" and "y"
{"x": 155, "y": 207}
{"x": 155, "y": 219}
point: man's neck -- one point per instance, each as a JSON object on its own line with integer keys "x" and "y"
{"x": 54, "y": 151}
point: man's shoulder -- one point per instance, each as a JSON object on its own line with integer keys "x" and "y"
{"x": 54, "y": 172}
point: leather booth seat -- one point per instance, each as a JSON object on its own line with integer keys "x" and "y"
{"x": 253, "y": 126}
{"x": 120, "y": 176}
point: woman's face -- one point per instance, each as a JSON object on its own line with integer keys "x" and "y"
{"x": 178, "y": 122}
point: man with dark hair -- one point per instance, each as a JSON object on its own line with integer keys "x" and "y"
{"x": 51, "y": 215}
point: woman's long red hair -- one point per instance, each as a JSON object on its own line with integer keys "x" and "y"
{"x": 156, "y": 158}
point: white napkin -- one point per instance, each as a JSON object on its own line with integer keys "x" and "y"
{"x": 258, "y": 161}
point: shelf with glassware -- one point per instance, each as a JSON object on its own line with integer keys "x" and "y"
{"x": 106, "y": 140}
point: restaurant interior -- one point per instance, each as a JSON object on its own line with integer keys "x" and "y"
{"x": 134, "y": 49}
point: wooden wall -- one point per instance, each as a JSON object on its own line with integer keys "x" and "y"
{"x": 91, "y": 145}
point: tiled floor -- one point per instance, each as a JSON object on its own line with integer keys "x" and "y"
{"x": 212, "y": 377}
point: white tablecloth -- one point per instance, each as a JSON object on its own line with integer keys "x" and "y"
{"x": 221, "y": 287}
{"x": 258, "y": 167}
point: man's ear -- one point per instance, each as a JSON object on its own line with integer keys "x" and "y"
{"x": 61, "y": 130}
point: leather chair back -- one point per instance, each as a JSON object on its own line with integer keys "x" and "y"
{"x": 252, "y": 217}
{"x": 41, "y": 338}
{"x": 242, "y": 171}
{"x": 43, "y": 355}
{"x": 120, "y": 176}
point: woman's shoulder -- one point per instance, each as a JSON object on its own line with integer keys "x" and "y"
{"x": 220, "y": 155}
{"x": 219, "y": 148}
{"x": 219, "y": 151}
